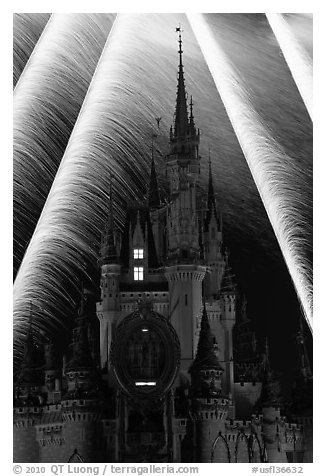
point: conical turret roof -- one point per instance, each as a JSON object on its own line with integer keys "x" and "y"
{"x": 82, "y": 357}
{"x": 205, "y": 357}
{"x": 270, "y": 394}
{"x": 153, "y": 192}
{"x": 108, "y": 246}
{"x": 181, "y": 112}
{"x": 211, "y": 202}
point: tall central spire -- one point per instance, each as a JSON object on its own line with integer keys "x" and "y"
{"x": 181, "y": 113}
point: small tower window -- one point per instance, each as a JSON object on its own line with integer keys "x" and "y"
{"x": 138, "y": 273}
{"x": 138, "y": 253}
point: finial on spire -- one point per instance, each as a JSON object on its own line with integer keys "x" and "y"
{"x": 181, "y": 124}
{"x": 178, "y": 29}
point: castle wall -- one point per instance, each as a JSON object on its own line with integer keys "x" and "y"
{"x": 25, "y": 446}
{"x": 81, "y": 436}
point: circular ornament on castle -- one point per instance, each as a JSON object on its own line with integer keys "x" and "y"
{"x": 145, "y": 354}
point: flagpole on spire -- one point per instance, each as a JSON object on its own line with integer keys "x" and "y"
{"x": 178, "y": 30}
{"x": 181, "y": 114}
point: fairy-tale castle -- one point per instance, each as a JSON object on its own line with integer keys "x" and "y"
{"x": 174, "y": 374}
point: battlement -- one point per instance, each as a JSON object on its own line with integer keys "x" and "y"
{"x": 306, "y": 421}
{"x": 236, "y": 425}
{"x": 50, "y": 435}
{"x": 185, "y": 272}
{"x": 80, "y": 410}
{"x": 211, "y": 408}
{"x": 159, "y": 300}
{"x": 293, "y": 427}
{"x": 210, "y": 415}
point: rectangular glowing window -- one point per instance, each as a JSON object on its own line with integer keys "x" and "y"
{"x": 138, "y": 273}
{"x": 138, "y": 253}
{"x": 145, "y": 384}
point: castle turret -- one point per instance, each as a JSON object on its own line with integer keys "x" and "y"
{"x": 228, "y": 305}
{"x": 29, "y": 398}
{"x": 81, "y": 404}
{"x": 108, "y": 308}
{"x": 29, "y": 380}
{"x": 209, "y": 408}
{"x": 271, "y": 409}
{"x": 80, "y": 370}
{"x": 51, "y": 374}
{"x": 138, "y": 252}
{"x": 213, "y": 242}
{"x": 300, "y": 409}
{"x": 184, "y": 271}
{"x": 247, "y": 365}
{"x": 183, "y": 168}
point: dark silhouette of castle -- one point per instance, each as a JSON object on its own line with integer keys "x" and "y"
{"x": 175, "y": 375}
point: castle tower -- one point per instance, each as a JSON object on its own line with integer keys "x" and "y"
{"x": 213, "y": 241}
{"x": 247, "y": 365}
{"x": 270, "y": 402}
{"x": 51, "y": 374}
{"x": 184, "y": 271}
{"x": 81, "y": 404}
{"x": 138, "y": 250}
{"x": 183, "y": 169}
{"x": 228, "y": 306}
{"x": 209, "y": 408}
{"x": 301, "y": 406}
{"x": 28, "y": 400}
{"x": 81, "y": 369}
{"x": 108, "y": 308}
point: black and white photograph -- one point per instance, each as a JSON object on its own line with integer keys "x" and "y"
{"x": 162, "y": 229}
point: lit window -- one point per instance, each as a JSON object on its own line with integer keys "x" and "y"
{"x": 138, "y": 273}
{"x": 138, "y": 253}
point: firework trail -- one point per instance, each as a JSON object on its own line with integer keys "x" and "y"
{"x": 47, "y": 99}
{"x": 271, "y": 168}
{"x": 108, "y": 137}
{"x": 135, "y": 82}
{"x": 297, "y": 59}
{"x": 27, "y": 28}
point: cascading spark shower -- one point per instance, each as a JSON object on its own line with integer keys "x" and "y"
{"x": 270, "y": 166}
